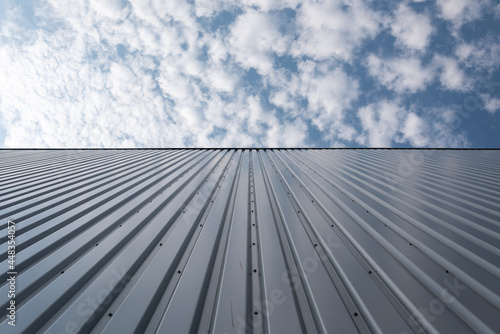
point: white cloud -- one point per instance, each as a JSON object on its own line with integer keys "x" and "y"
{"x": 451, "y": 76}
{"x": 400, "y": 74}
{"x": 492, "y": 104}
{"x": 333, "y": 29}
{"x": 207, "y": 8}
{"x": 387, "y": 121}
{"x": 154, "y": 73}
{"x": 112, "y": 9}
{"x": 481, "y": 55}
{"x": 289, "y": 135}
{"x": 329, "y": 92}
{"x": 283, "y": 99}
{"x": 68, "y": 86}
{"x": 326, "y": 90}
{"x": 267, "y": 5}
{"x": 222, "y": 79}
{"x": 254, "y": 37}
{"x": 434, "y": 127}
{"x": 461, "y": 11}
{"x": 380, "y": 123}
{"x": 411, "y": 29}
{"x": 412, "y": 130}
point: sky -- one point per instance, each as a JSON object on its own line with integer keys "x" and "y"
{"x": 249, "y": 73}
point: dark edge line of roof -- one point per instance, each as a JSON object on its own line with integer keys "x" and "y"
{"x": 248, "y": 148}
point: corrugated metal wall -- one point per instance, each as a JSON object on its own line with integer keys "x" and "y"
{"x": 252, "y": 241}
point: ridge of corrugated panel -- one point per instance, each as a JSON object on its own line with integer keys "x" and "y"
{"x": 251, "y": 241}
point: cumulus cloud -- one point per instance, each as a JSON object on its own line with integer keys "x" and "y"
{"x": 492, "y": 104}
{"x": 461, "y": 11}
{"x": 482, "y": 55}
{"x": 289, "y": 135}
{"x": 144, "y": 73}
{"x": 380, "y": 122}
{"x": 112, "y": 9}
{"x": 400, "y": 74}
{"x": 386, "y": 120}
{"x": 411, "y": 29}
{"x": 97, "y": 79}
{"x": 451, "y": 76}
{"x": 435, "y": 127}
{"x": 254, "y": 38}
{"x": 412, "y": 130}
{"x": 329, "y": 92}
{"x": 333, "y": 29}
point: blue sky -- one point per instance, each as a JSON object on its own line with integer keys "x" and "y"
{"x": 251, "y": 73}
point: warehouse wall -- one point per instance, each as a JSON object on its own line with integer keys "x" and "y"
{"x": 251, "y": 241}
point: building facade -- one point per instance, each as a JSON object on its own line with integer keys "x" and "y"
{"x": 250, "y": 241}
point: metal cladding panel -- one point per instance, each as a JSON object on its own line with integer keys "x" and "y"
{"x": 251, "y": 241}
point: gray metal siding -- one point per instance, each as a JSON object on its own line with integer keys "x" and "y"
{"x": 252, "y": 241}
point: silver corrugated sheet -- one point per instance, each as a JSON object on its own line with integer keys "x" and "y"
{"x": 251, "y": 241}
